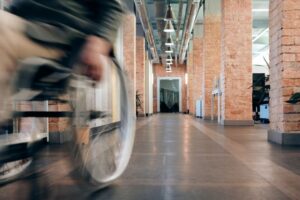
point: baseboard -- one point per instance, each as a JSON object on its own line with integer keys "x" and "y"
{"x": 286, "y": 139}
{"x": 237, "y": 122}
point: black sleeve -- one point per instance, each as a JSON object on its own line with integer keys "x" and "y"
{"x": 108, "y": 19}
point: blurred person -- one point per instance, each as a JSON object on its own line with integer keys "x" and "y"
{"x": 48, "y": 29}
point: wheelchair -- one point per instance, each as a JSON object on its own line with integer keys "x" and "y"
{"x": 100, "y": 123}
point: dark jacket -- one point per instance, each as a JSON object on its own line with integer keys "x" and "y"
{"x": 64, "y": 20}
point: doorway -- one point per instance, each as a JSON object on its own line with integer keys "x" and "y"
{"x": 169, "y": 93}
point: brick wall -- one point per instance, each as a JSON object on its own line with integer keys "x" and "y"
{"x": 237, "y": 60}
{"x": 211, "y": 58}
{"x": 195, "y": 71}
{"x": 179, "y": 71}
{"x": 285, "y": 64}
{"x": 129, "y": 47}
{"x": 140, "y": 72}
{"x": 191, "y": 73}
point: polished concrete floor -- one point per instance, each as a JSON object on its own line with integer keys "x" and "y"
{"x": 178, "y": 157}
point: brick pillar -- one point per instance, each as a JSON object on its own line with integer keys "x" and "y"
{"x": 211, "y": 52}
{"x": 129, "y": 45}
{"x": 195, "y": 73}
{"x": 140, "y": 73}
{"x": 198, "y": 69}
{"x": 190, "y": 86}
{"x": 236, "y": 65}
{"x": 285, "y": 71}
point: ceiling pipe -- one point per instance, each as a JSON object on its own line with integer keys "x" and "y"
{"x": 192, "y": 12}
{"x": 160, "y": 11}
{"x": 147, "y": 27}
{"x": 178, "y": 30}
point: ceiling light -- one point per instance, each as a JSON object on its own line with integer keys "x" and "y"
{"x": 168, "y": 69}
{"x": 169, "y": 28}
{"x": 169, "y": 58}
{"x": 169, "y": 50}
{"x": 169, "y": 63}
{"x": 169, "y": 41}
{"x": 169, "y": 15}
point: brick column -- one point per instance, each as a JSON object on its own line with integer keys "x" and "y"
{"x": 190, "y": 86}
{"x": 285, "y": 71}
{"x": 195, "y": 73}
{"x": 198, "y": 69}
{"x": 236, "y": 65}
{"x": 129, "y": 45}
{"x": 140, "y": 72}
{"x": 211, "y": 52}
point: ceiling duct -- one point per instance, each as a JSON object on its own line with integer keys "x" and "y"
{"x": 192, "y": 13}
{"x": 178, "y": 30}
{"x": 160, "y": 11}
{"x": 141, "y": 8}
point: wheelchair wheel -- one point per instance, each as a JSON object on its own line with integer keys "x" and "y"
{"x": 103, "y": 126}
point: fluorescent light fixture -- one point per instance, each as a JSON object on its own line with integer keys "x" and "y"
{"x": 169, "y": 15}
{"x": 169, "y": 41}
{"x": 169, "y": 28}
{"x": 169, "y": 50}
{"x": 169, "y": 58}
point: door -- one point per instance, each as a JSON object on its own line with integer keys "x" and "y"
{"x": 169, "y": 96}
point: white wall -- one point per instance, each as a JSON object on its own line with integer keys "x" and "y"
{"x": 149, "y": 87}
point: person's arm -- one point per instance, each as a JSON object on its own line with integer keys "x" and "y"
{"x": 108, "y": 19}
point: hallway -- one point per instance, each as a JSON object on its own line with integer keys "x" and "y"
{"x": 178, "y": 157}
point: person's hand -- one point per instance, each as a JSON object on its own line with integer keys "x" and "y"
{"x": 93, "y": 56}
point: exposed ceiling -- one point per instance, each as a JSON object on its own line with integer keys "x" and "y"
{"x": 156, "y": 10}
